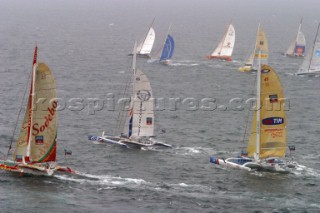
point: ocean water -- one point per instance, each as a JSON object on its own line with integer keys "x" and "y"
{"x": 85, "y": 43}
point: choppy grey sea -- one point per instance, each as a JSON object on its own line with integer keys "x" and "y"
{"x": 85, "y": 43}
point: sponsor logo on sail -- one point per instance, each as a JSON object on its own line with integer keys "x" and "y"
{"x": 273, "y": 98}
{"x": 265, "y": 70}
{"x": 39, "y": 140}
{"x": 37, "y": 128}
{"x": 273, "y": 121}
{"x": 144, "y": 95}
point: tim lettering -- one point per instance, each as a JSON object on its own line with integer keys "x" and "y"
{"x": 48, "y": 118}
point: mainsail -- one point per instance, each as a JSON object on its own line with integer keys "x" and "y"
{"x": 297, "y": 47}
{"x": 272, "y": 117}
{"x": 140, "y": 121}
{"x": 261, "y": 44}
{"x": 37, "y": 138}
{"x": 143, "y": 106}
{"x": 168, "y": 48}
{"x": 226, "y": 45}
{"x": 146, "y": 45}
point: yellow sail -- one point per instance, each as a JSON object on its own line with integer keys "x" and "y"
{"x": 260, "y": 44}
{"x": 44, "y": 125}
{"x": 272, "y": 117}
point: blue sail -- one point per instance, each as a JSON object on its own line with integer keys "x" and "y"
{"x": 168, "y": 49}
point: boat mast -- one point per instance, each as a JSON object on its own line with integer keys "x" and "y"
{"x": 255, "y": 45}
{"x": 33, "y": 76}
{"x": 258, "y": 104}
{"x": 297, "y": 36}
{"x": 314, "y": 44}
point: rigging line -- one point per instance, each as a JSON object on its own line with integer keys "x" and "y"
{"x": 246, "y": 128}
{"x": 121, "y": 111}
{"x": 248, "y": 118}
{"x": 314, "y": 44}
{"x": 19, "y": 113}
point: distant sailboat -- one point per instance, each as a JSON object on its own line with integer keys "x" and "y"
{"x": 267, "y": 143}
{"x": 165, "y": 53}
{"x": 145, "y": 46}
{"x": 225, "y": 47}
{"x": 311, "y": 64}
{"x": 260, "y": 44}
{"x": 297, "y": 47}
{"x": 35, "y": 151}
{"x": 138, "y": 130}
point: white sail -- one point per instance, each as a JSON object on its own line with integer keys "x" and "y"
{"x": 146, "y": 45}
{"x": 226, "y": 45}
{"x": 311, "y": 63}
{"x": 290, "y": 50}
{"x": 301, "y": 40}
{"x": 143, "y": 106}
{"x": 315, "y": 60}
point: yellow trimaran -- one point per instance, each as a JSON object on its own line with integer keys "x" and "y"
{"x": 266, "y": 148}
{"x": 261, "y": 44}
{"x": 35, "y": 151}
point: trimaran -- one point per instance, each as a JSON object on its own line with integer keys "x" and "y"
{"x": 267, "y": 143}
{"x": 35, "y": 151}
{"x": 138, "y": 131}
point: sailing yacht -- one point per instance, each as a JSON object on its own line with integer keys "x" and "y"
{"x": 138, "y": 130}
{"x": 225, "y": 47}
{"x": 311, "y": 64}
{"x": 267, "y": 142}
{"x": 145, "y": 46}
{"x": 165, "y": 53}
{"x": 35, "y": 151}
{"x": 297, "y": 47}
{"x": 261, "y": 43}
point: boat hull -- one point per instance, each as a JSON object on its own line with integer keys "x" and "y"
{"x": 165, "y": 62}
{"x": 247, "y": 69}
{"x": 313, "y": 73}
{"x": 33, "y": 169}
{"x": 249, "y": 164}
{"x": 132, "y": 143}
{"x": 224, "y": 58}
{"x": 294, "y": 55}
